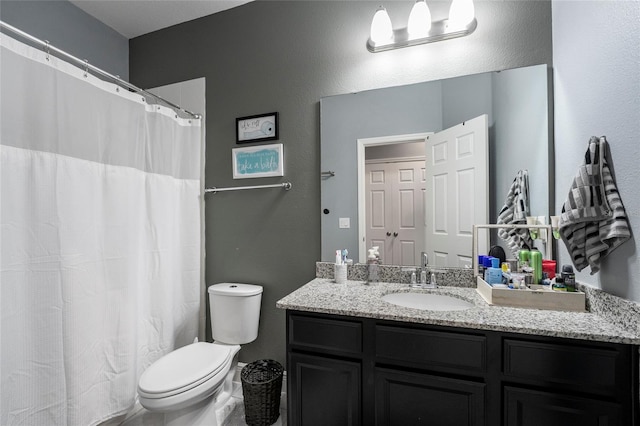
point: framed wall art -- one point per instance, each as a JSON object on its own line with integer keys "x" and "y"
{"x": 258, "y": 161}
{"x": 257, "y": 128}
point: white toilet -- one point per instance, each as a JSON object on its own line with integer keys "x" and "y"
{"x": 194, "y": 382}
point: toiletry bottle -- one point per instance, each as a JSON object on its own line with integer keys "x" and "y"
{"x": 413, "y": 277}
{"x": 487, "y": 265}
{"x": 536, "y": 264}
{"x": 523, "y": 283}
{"x": 372, "y": 266}
{"x": 569, "y": 277}
{"x": 518, "y": 281}
{"x": 558, "y": 285}
{"x": 523, "y": 259}
{"x": 481, "y": 265}
{"x": 493, "y": 275}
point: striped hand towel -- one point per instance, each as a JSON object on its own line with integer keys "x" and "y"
{"x": 593, "y": 221}
{"x": 515, "y": 212}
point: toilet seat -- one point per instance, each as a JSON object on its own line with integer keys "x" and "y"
{"x": 185, "y": 376}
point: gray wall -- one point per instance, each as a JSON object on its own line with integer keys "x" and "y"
{"x": 285, "y": 56}
{"x": 72, "y": 30}
{"x": 597, "y": 92}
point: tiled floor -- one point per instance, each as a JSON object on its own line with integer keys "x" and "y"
{"x": 236, "y": 418}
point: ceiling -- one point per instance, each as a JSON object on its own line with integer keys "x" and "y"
{"x": 133, "y": 18}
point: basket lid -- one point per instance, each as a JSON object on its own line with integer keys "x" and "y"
{"x": 235, "y": 289}
{"x": 261, "y": 371}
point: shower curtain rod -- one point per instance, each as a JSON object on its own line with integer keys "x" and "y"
{"x": 285, "y": 185}
{"x": 48, "y": 47}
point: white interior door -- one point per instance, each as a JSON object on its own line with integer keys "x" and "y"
{"x": 458, "y": 193}
{"x": 395, "y": 210}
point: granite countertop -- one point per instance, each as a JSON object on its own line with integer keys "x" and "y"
{"x": 354, "y": 298}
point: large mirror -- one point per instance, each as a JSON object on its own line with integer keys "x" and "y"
{"x": 516, "y": 103}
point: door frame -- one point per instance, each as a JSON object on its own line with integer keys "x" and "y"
{"x": 360, "y": 160}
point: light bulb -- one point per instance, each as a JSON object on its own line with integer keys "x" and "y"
{"x": 381, "y": 29}
{"x": 462, "y": 12}
{"x": 419, "y": 20}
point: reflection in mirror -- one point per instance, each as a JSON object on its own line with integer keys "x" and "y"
{"x": 515, "y": 102}
{"x": 391, "y": 176}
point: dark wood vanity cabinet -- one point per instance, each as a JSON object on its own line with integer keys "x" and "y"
{"x": 358, "y": 371}
{"x": 326, "y": 368}
{"x": 566, "y": 382}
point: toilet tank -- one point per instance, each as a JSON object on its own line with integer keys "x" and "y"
{"x": 235, "y": 312}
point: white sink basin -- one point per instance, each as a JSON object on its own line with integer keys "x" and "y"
{"x": 427, "y": 301}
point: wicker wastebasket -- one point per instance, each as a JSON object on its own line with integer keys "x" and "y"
{"x": 261, "y": 388}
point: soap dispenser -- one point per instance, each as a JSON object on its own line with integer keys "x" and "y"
{"x": 372, "y": 265}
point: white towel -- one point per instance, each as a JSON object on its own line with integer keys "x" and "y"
{"x": 515, "y": 212}
{"x": 593, "y": 221}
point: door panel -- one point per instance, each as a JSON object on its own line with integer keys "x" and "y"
{"x": 525, "y": 407}
{"x": 439, "y": 204}
{"x": 395, "y": 202}
{"x": 326, "y": 391}
{"x": 457, "y": 198}
{"x": 407, "y": 203}
{"x": 378, "y": 206}
{"x": 418, "y": 399}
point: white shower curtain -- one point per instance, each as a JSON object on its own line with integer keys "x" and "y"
{"x": 100, "y": 240}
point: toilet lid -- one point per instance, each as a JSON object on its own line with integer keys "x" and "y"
{"x": 184, "y": 367}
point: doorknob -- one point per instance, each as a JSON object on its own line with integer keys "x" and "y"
{"x": 388, "y": 234}
{"x": 395, "y": 234}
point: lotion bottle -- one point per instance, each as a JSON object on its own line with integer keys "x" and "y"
{"x": 536, "y": 264}
{"x": 493, "y": 275}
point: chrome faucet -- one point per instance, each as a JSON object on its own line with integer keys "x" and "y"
{"x": 424, "y": 271}
{"x": 424, "y": 265}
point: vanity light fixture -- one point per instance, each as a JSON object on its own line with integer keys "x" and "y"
{"x": 381, "y": 29}
{"x": 420, "y": 28}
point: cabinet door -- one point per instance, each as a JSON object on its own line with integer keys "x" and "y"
{"x": 323, "y": 391}
{"x": 525, "y": 407}
{"x": 404, "y": 398}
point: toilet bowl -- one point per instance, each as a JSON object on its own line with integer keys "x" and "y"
{"x": 191, "y": 385}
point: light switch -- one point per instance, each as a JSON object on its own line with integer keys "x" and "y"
{"x": 344, "y": 223}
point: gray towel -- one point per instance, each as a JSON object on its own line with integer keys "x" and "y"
{"x": 593, "y": 221}
{"x": 515, "y": 212}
